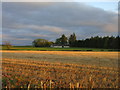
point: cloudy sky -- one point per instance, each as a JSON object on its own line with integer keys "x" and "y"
{"x": 22, "y": 22}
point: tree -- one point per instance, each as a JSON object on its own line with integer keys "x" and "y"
{"x": 62, "y": 40}
{"x": 41, "y": 43}
{"x": 72, "y": 40}
{"x": 7, "y": 44}
{"x": 106, "y": 39}
{"x": 58, "y": 41}
{"x": 117, "y": 43}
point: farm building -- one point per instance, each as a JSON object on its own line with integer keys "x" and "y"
{"x": 59, "y": 46}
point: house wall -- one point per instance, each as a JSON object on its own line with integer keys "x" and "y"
{"x": 60, "y": 46}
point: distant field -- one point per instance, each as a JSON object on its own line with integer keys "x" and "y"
{"x": 108, "y": 59}
{"x": 30, "y": 48}
{"x": 59, "y": 69}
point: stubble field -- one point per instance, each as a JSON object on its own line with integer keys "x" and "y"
{"x": 59, "y": 69}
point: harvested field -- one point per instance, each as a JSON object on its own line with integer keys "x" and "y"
{"x": 59, "y": 69}
{"x": 105, "y": 59}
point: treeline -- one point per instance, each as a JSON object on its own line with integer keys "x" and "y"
{"x": 99, "y": 42}
{"x": 106, "y": 42}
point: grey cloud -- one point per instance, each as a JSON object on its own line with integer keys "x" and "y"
{"x": 39, "y": 28}
{"x": 50, "y": 20}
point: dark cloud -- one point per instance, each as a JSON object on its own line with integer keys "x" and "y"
{"x": 25, "y": 22}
